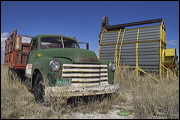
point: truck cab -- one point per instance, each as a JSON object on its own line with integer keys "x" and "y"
{"x": 56, "y": 66}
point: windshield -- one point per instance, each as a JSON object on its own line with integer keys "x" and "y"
{"x": 58, "y": 42}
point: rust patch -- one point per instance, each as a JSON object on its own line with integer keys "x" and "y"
{"x": 89, "y": 59}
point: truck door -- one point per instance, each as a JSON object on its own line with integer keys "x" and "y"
{"x": 33, "y": 51}
{"x": 32, "y": 56}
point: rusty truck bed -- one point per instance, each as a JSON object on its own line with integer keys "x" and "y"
{"x": 15, "y": 52}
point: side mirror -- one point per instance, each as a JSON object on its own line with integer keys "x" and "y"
{"x": 87, "y": 44}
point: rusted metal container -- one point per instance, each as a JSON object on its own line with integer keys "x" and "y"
{"x": 15, "y": 52}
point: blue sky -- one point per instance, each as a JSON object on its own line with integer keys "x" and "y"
{"x": 82, "y": 19}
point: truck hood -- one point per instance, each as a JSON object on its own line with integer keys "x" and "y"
{"x": 75, "y": 55}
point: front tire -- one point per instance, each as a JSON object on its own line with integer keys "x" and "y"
{"x": 39, "y": 89}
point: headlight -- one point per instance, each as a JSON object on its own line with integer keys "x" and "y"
{"x": 54, "y": 65}
{"x": 112, "y": 66}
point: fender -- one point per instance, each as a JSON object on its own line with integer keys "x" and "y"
{"x": 41, "y": 65}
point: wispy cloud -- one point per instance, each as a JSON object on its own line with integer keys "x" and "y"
{"x": 172, "y": 42}
{"x": 4, "y": 36}
{"x": 26, "y": 40}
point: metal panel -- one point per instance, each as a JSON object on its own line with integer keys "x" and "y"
{"x": 148, "y": 39}
{"x": 128, "y": 63}
{"x": 130, "y": 36}
{"x": 148, "y": 51}
{"x": 124, "y": 47}
{"x": 149, "y": 56}
{"x": 148, "y": 60}
{"x": 107, "y": 47}
{"x": 128, "y": 50}
{"x": 145, "y": 56}
{"x": 145, "y": 29}
{"x": 129, "y": 47}
{"x": 112, "y": 40}
{"x": 107, "y": 58}
{"x": 107, "y": 52}
{"x": 149, "y": 34}
{"x": 110, "y": 37}
{"x": 149, "y": 63}
{"x": 148, "y": 45}
{"x": 131, "y": 31}
{"x": 127, "y": 54}
{"x": 141, "y": 34}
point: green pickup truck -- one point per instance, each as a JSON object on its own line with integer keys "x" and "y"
{"x": 56, "y": 66}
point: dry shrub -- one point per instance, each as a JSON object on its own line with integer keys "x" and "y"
{"x": 17, "y": 102}
{"x": 158, "y": 100}
{"x": 14, "y": 96}
{"x": 144, "y": 100}
{"x": 151, "y": 99}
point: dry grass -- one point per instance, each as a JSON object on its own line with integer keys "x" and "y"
{"x": 144, "y": 100}
{"x": 18, "y": 102}
{"x": 150, "y": 99}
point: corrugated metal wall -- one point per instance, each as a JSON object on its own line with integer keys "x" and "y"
{"x": 128, "y": 45}
{"x": 107, "y": 52}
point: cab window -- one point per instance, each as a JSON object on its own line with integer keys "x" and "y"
{"x": 34, "y": 45}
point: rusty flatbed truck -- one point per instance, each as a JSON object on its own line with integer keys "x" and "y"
{"x": 59, "y": 61}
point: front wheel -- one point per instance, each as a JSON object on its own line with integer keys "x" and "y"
{"x": 39, "y": 89}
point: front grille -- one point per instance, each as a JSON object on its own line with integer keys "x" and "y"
{"x": 85, "y": 74}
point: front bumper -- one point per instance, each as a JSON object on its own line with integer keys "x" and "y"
{"x": 71, "y": 91}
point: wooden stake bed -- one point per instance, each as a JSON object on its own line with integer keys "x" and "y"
{"x": 15, "y": 52}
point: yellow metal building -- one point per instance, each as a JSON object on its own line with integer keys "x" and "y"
{"x": 138, "y": 45}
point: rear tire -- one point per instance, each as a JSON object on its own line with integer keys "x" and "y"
{"x": 39, "y": 89}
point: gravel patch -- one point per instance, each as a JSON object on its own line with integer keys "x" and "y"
{"x": 112, "y": 114}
